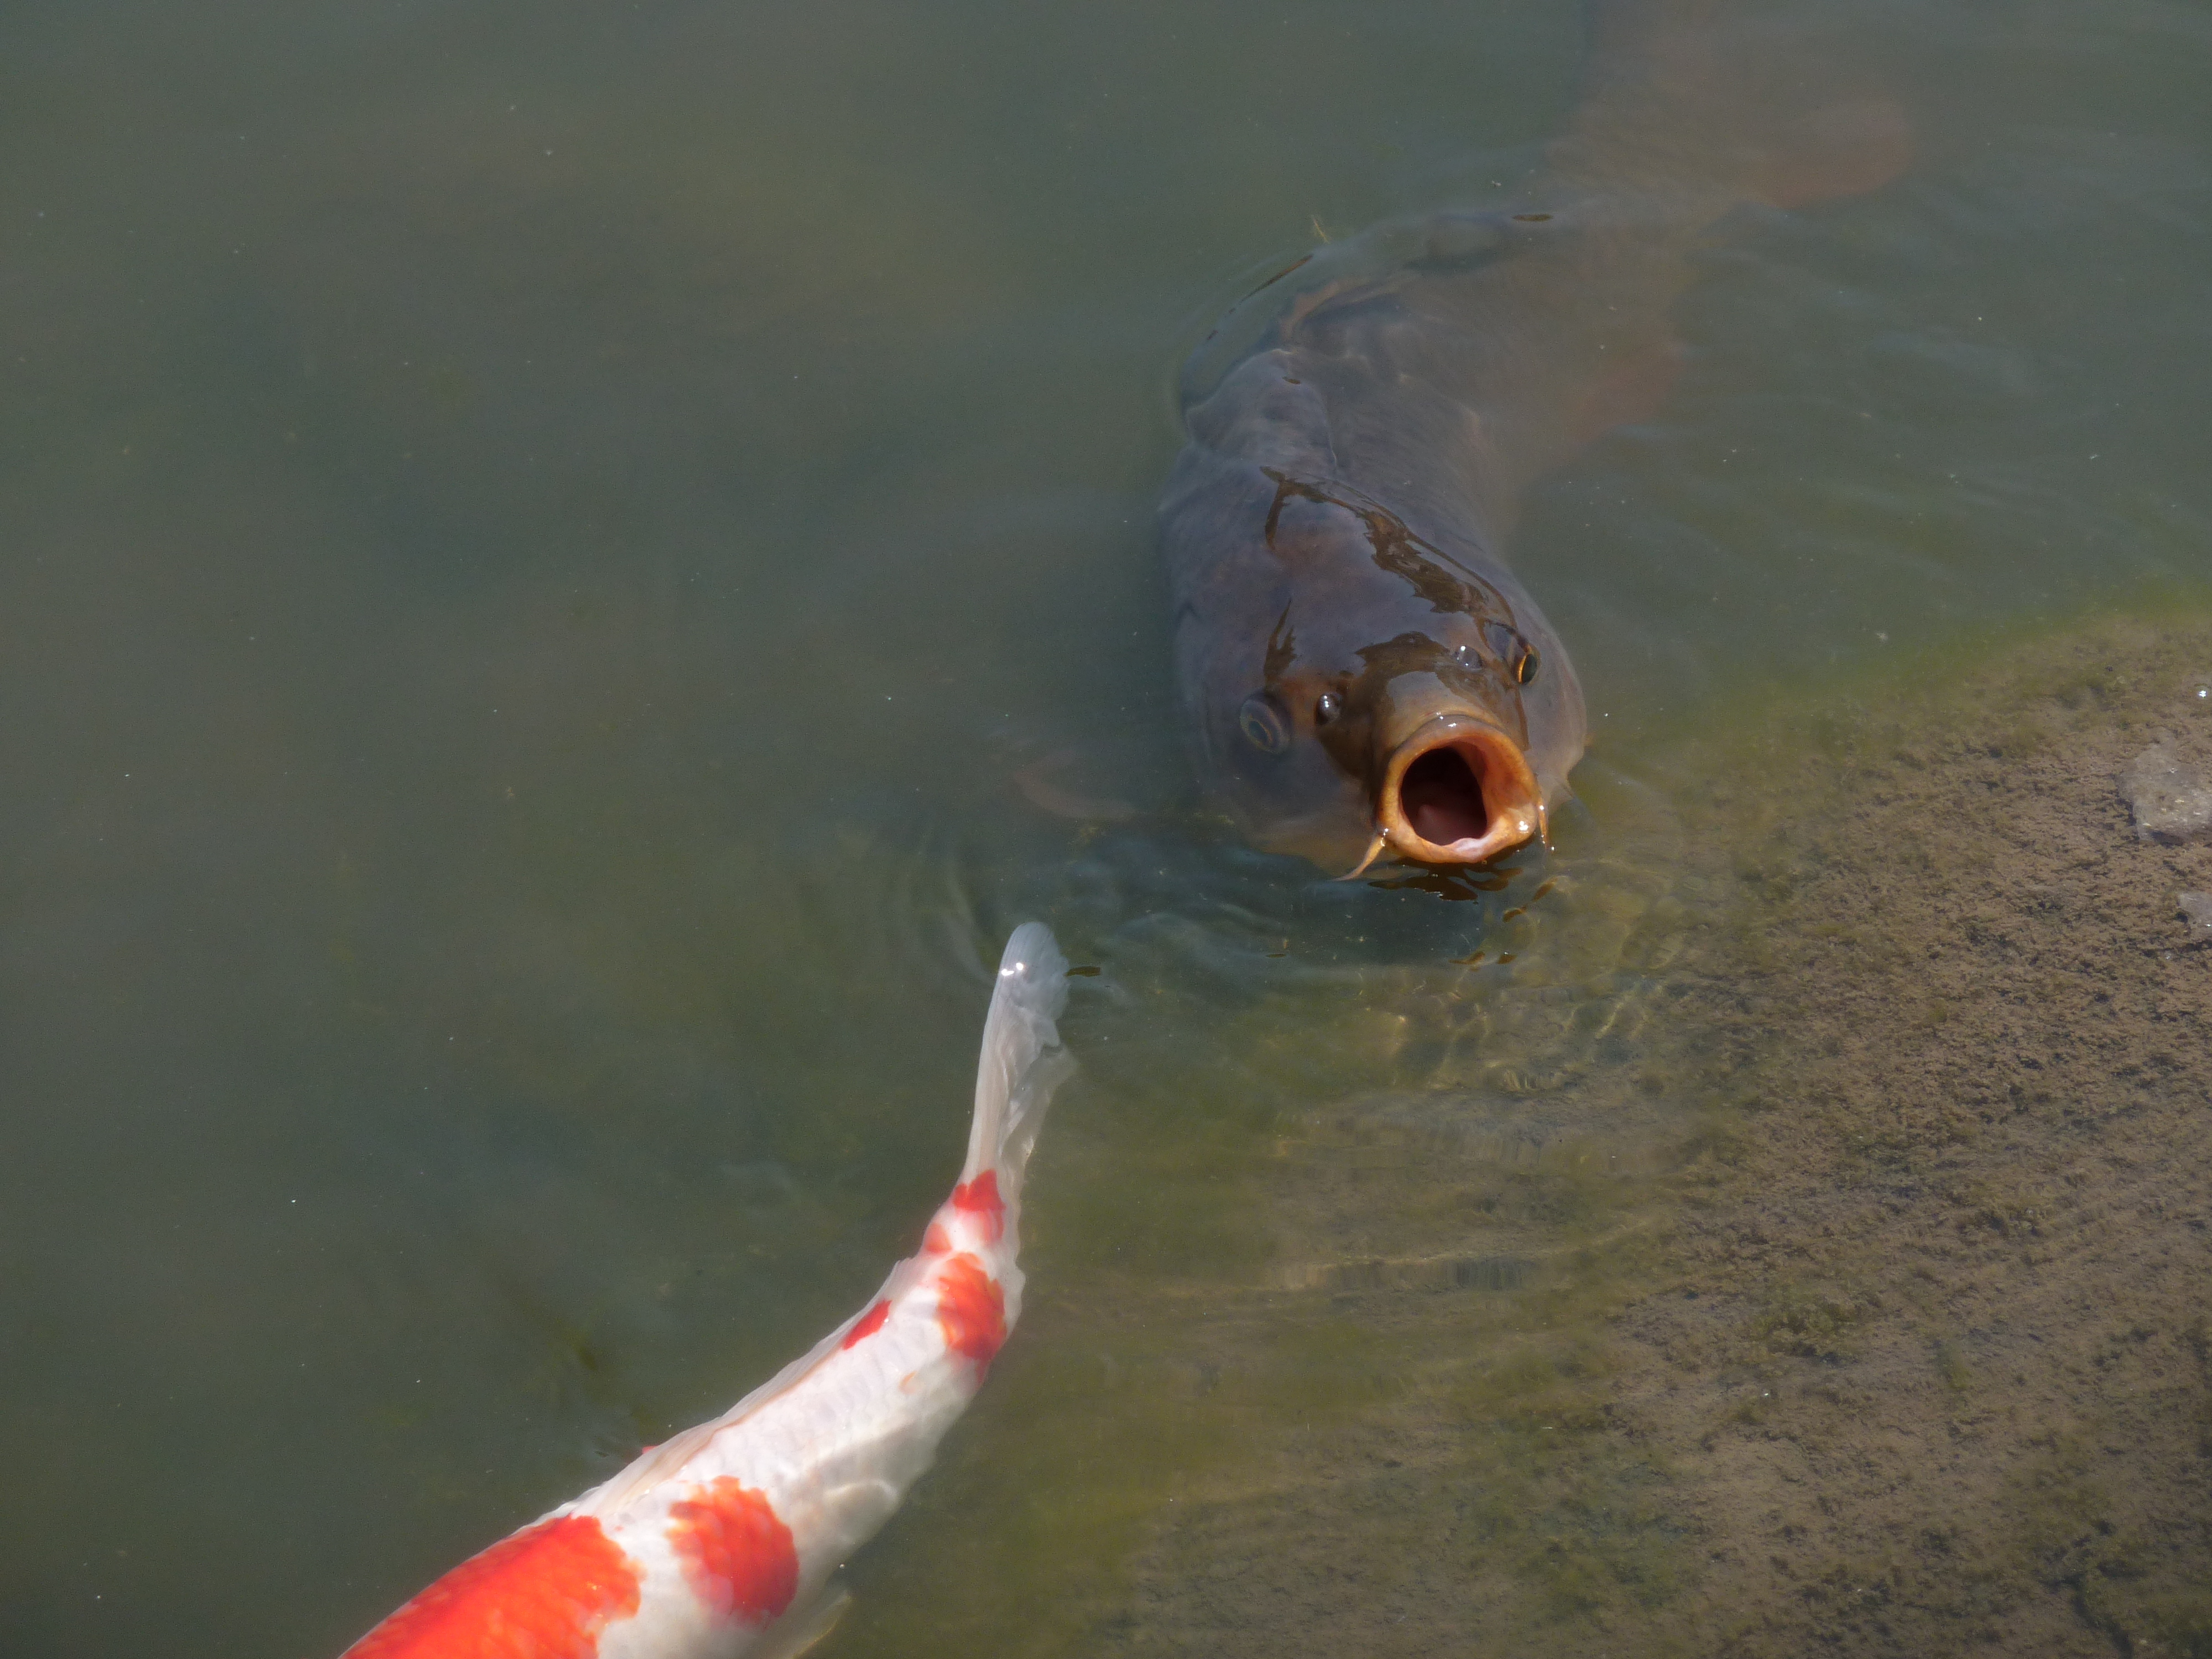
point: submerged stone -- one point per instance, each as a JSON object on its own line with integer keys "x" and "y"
{"x": 2198, "y": 907}
{"x": 2172, "y": 800}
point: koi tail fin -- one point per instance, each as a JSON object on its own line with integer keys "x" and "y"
{"x": 1022, "y": 1061}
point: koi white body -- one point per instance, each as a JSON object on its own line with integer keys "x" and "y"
{"x": 722, "y": 1541}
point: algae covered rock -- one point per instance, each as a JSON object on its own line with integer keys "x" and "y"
{"x": 2198, "y": 907}
{"x": 2171, "y": 799}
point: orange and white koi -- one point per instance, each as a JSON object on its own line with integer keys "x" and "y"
{"x": 722, "y": 1541}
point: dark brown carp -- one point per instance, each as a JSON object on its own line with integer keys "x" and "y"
{"x": 1362, "y": 671}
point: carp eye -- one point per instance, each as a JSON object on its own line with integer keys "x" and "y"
{"x": 1328, "y": 707}
{"x": 1263, "y": 725}
{"x": 1516, "y": 656}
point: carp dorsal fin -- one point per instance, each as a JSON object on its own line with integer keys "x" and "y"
{"x": 1757, "y": 107}
{"x": 1266, "y": 414}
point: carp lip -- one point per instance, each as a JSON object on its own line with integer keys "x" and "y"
{"x": 1458, "y": 791}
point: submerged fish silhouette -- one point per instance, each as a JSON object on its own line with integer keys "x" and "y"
{"x": 1362, "y": 670}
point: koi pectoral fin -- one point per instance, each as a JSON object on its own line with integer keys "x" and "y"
{"x": 795, "y": 1633}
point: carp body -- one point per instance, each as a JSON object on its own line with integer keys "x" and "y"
{"x": 1361, "y": 671}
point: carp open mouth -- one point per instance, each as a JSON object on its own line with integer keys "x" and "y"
{"x": 1458, "y": 791}
{"x": 1441, "y": 796}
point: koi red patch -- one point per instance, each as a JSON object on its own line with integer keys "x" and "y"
{"x": 737, "y": 1554}
{"x": 867, "y": 1324}
{"x": 971, "y": 1310}
{"x": 546, "y": 1593}
{"x": 980, "y": 1198}
{"x": 936, "y": 1241}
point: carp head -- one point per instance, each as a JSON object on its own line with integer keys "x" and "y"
{"x": 1359, "y": 688}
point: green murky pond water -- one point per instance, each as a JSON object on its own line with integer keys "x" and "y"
{"x": 539, "y": 549}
